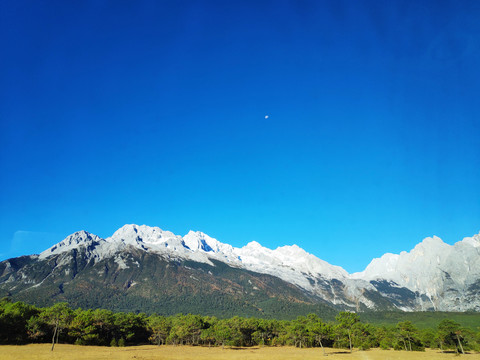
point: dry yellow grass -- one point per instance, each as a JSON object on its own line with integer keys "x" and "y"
{"x": 74, "y": 352}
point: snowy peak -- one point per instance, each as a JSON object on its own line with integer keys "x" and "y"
{"x": 433, "y": 268}
{"x": 134, "y": 234}
{"x": 73, "y": 241}
{"x": 472, "y": 241}
{"x": 298, "y": 258}
{"x": 199, "y": 241}
{"x": 431, "y": 245}
{"x": 427, "y": 258}
{"x": 253, "y": 245}
{"x": 378, "y": 267}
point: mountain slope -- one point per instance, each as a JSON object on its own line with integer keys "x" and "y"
{"x": 147, "y": 269}
{"x": 448, "y": 276}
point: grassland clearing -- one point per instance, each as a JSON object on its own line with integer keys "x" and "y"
{"x": 151, "y": 352}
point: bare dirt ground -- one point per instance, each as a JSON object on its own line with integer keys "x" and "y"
{"x": 149, "y": 352}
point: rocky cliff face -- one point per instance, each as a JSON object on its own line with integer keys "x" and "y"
{"x": 447, "y": 277}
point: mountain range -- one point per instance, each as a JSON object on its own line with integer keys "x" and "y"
{"x": 142, "y": 268}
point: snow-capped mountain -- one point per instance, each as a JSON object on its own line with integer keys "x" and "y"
{"x": 449, "y": 275}
{"x": 290, "y": 263}
{"x": 434, "y": 275}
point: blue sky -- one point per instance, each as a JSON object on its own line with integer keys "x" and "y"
{"x": 154, "y": 112}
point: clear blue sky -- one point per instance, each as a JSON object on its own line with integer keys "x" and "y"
{"x": 154, "y": 112}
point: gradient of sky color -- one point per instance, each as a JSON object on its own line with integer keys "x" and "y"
{"x": 155, "y": 112}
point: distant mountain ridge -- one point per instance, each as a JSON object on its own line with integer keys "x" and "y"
{"x": 433, "y": 276}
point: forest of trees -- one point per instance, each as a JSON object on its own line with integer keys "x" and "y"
{"x": 21, "y": 323}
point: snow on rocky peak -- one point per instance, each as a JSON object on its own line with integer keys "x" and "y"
{"x": 429, "y": 266}
{"x": 405, "y": 267}
{"x": 134, "y": 234}
{"x": 199, "y": 241}
{"x": 290, "y": 263}
{"x": 307, "y": 263}
{"x": 472, "y": 241}
{"x": 154, "y": 240}
{"x": 73, "y": 241}
{"x": 287, "y": 260}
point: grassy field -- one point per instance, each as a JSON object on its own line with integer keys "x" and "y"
{"x": 69, "y": 352}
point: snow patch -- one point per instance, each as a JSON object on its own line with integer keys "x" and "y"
{"x": 121, "y": 262}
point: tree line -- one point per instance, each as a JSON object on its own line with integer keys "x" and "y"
{"x": 22, "y": 323}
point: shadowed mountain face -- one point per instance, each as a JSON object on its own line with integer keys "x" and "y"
{"x": 146, "y": 269}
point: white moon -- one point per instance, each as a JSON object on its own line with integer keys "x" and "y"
{"x": 266, "y": 116}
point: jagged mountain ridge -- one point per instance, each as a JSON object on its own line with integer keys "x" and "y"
{"x": 408, "y": 281}
{"x": 449, "y": 275}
